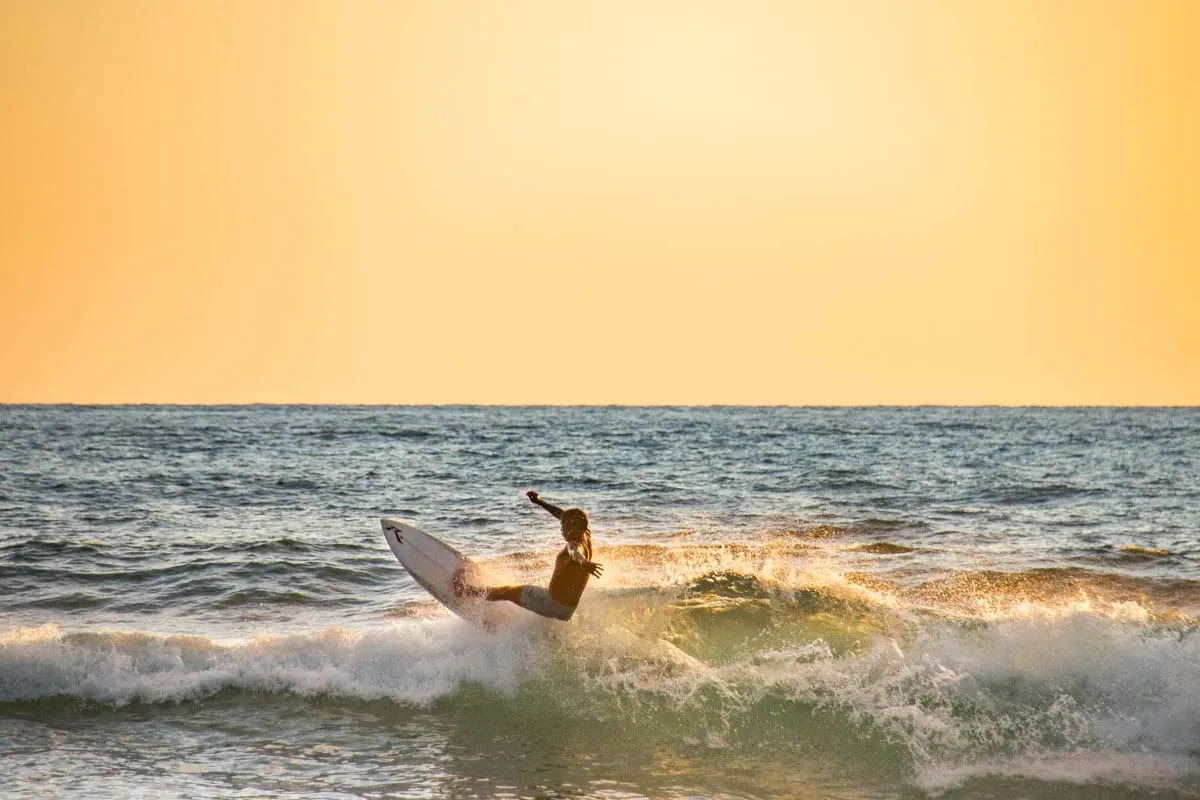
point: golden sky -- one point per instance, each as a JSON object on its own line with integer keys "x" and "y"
{"x": 750, "y": 202}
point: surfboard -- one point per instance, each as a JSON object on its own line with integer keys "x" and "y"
{"x": 433, "y": 565}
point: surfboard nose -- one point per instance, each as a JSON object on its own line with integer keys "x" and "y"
{"x": 391, "y": 524}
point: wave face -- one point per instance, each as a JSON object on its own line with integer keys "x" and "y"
{"x": 796, "y": 602}
{"x": 730, "y": 661}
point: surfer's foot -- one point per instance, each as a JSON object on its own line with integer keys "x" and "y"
{"x": 462, "y": 588}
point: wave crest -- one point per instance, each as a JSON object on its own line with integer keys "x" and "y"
{"x": 413, "y": 663}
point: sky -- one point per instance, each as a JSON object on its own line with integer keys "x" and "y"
{"x": 771, "y": 203}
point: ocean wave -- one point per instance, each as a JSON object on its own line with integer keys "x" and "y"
{"x": 1040, "y": 495}
{"x": 883, "y": 548}
{"x": 954, "y": 699}
{"x": 995, "y": 594}
{"x": 413, "y": 663}
{"x": 1133, "y": 555}
{"x": 788, "y": 566}
{"x": 828, "y": 558}
{"x": 1153, "y": 552}
{"x": 721, "y": 663}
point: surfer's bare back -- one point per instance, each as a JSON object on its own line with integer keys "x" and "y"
{"x": 572, "y": 568}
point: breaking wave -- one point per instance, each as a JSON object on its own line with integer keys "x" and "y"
{"x": 1064, "y": 686}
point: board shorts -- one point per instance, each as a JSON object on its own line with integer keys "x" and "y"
{"x": 538, "y": 600}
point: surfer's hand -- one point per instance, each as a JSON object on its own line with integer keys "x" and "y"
{"x": 593, "y": 568}
{"x": 532, "y": 495}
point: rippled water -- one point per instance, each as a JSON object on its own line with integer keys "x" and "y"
{"x": 198, "y": 602}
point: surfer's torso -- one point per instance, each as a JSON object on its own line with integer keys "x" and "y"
{"x": 570, "y": 577}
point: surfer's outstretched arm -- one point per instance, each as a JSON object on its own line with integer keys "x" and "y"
{"x": 577, "y": 554}
{"x": 537, "y": 500}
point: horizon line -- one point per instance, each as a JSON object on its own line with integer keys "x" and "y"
{"x": 303, "y": 404}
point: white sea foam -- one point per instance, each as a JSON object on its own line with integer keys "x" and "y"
{"x": 1079, "y": 697}
{"x": 1146, "y": 771}
{"x": 412, "y": 662}
{"x": 1029, "y": 696}
{"x": 1068, "y": 696}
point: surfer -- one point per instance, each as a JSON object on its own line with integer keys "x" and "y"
{"x": 572, "y": 568}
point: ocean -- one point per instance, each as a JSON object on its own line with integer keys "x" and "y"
{"x": 197, "y": 602}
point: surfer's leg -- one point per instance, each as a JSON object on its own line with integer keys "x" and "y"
{"x": 538, "y": 600}
{"x": 509, "y": 593}
{"x": 535, "y": 598}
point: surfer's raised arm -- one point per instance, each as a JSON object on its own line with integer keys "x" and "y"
{"x": 553, "y": 509}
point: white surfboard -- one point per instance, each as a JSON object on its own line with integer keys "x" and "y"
{"x": 433, "y": 563}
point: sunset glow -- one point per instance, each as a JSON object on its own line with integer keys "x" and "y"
{"x": 929, "y": 201}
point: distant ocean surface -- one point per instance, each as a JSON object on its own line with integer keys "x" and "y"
{"x": 797, "y": 602}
